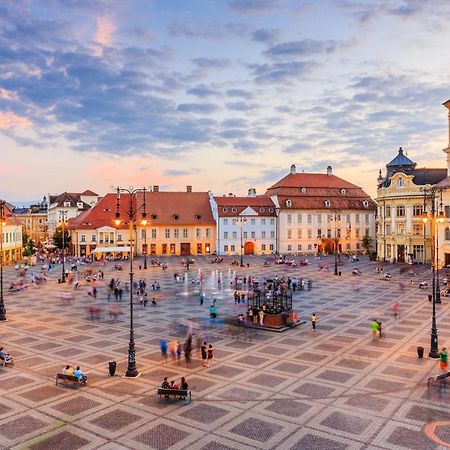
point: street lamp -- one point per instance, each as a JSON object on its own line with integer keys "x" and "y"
{"x": 62, "y": 220}
{"x": 131, "y": 213}
{"x": 241, "y": 221}
{"x": 2, "y": 224}
{"x": 336, "y": 241}
{"x": 434, "y": 218}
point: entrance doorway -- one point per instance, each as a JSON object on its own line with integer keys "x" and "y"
{"x": 249, "y": 248}
{"x": 185, "y": 248}
{"x": 400, "y": 253}
{"x": 447, "y": 260}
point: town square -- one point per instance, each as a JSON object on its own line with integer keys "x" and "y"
{"x": 224, "y": 225}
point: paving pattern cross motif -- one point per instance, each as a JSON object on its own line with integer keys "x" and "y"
{"x": 336, "y": 389}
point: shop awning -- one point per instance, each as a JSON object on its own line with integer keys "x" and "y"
{"x": 110, "y": 249}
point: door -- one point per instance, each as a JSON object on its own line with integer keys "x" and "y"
{"x": 249, "y": 248}
{"x": 185, "y": 248}
{"x": 400, "y": 253}
{"x": 447, "y": 260}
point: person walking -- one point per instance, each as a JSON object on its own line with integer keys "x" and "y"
{"x": 204, "y": 352}
{"x": 380, "y": 329}
{"x": 210, "y": 355}
{"x": 261, "y": 317}
{"x": 443, "y": 360}
{"x": 163, "y": 346}
{"x": 396, "y": 310}
{"x": 313, "y": 323}
{"x": 374, "y": 328}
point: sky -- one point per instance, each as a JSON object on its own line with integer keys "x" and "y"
{"x": 222, "y": 95}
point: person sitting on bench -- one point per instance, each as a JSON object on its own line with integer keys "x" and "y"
{"x": 173, "y": 385}
{"x": 165, "y": 385}
{"x": 80, "y": 375}
{"x": 5, "y": 355}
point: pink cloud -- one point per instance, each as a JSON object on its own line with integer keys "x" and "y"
{"x": 8, "y": 95}
{"x": 105, "y": 29}
{"x": 11, "y": 120}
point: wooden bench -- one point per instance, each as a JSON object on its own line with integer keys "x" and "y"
{"x": 72, "y": 378}
{"x": 182, "y": 394}
{"x": 4, "y": 363}
{"x": 435, "y": 380}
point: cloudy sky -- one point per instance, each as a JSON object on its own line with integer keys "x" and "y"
{"x": 220, "y": 94}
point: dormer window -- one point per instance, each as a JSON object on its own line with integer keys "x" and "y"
{"x": 327, "y": 203}
{"x": 233, "y": 210}
{"x": 271, "y": 210}
{"x": 261, "y": 210}
{"x": 66, "y": 204}
{"x": 225, "y": 209}
{"x": 175, "y": 216}
{"x": 303, "y": 190}
{"x": 365, "y": 203}
{"x": 80, "y": 205}
{"x": 288, "y": 203}
{"x": 198, "y": 216}
{"x": 154, "y": 216}
{"x": 343, "y": 191}
{"x": 400, "y": 183}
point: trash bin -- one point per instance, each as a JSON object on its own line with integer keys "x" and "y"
{"x": 420, "y": 352}
{"x": 112, "y": 368}
{"x": 340, "y": 273}
{"x": 59, "y": 280}
{"x": 430, "y": 297}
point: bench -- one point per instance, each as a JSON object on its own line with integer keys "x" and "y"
{"x": 182, "y": 394}
{"x": 72, "y": 378}
{"x": 435, "y": 380}
{"x": 4, "y": 363}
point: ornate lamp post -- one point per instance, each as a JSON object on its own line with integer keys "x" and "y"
{"x": 62, "y": 221}
{"x": 241, "y": 221}
{"x": 337, "y": 219}
{"x": 434, "y": 217}
{"x": 131, "y": 212}
{"x": 2, "y": 224}
{"x": 145, "y": 246}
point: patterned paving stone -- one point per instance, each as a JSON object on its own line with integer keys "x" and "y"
{"x": 288, "y": 407}
{"x": 368, "y": 402}
{"x": 334, "y": 375}
{"x": 314, "y": 390}
{"x": 161, "y": 437}
{"x": 115, "y": 420}
{"x": 353, "y": 364}
{"x": 225, "y": 371}
{"x": 291, "y": 368}
{"x": 251, "y": 360}
{"x": 257, "y": 430}
{"x": 75, "y": 406}
{"x": 42, "y": 393}
{"x": 61, "y": 441}
{"x": 314, "y": 442}
{"x": 380, "y": 384}
{"x": 345, "y": 422}
{"x": 237, "y": 393}
{"x": 426, "y": 414}
{"x": 400, "y": 372}
{"x": 205, "y": 413}
{"x": 21, "y": 426}
{"x": 267, "y": 380}
{"x": 14, "y": 382}
{"x": 214, "y": 445}
{"x": 311, "y": 357}
{"x": 411, "y": 439}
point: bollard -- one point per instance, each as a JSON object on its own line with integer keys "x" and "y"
{"x": 420, "y": 352}
{"x": 112, "y": 368}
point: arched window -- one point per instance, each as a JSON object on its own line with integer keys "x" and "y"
{"x": 447, "y": 234}
{"x": 303, "y": 190}
{"x": 327, "y": 203}
{"x": 401, "y": 183}
{"x": 288, "y": 203}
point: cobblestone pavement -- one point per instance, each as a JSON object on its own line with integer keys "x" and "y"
{"x": 266, "y": 390}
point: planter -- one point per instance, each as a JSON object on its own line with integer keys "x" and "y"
{"x": 272, "y": 320}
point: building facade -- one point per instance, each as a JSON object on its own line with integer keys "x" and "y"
{"x": 34, "y": 221}
{"x": 320, "y": 212}
{"x": 244, "y": 225}
{"x": 10, "y": 237}
{"x": 179, "y": 223}
{"x": 401, "y": 233}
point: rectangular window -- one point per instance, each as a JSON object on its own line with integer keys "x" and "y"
{"x": 164, "y": 249}
{"x": 167, "y": 232}
{"x": 329, "y": 233}
{"x": 263, "y": 234}
{"x": 299, "y": 247}
{"x": 366, "y": 218}
{"x": 172, "y": 249}
{"x": 357, "y": 233}
{"x": 319, "y": 219}
{"x": 401, "y": 228}
{"x": 289, "y": 234}
{"x": 388, "y": 211}
{"x": 417, "y": 210}
{"x": 198, "y": 232}
{"x": 252, "y": 221}
{"x": 245, "y": 234}
{"x": 153, "y": 233}
{"x": 253, "y": 234}
{"x": 225, "y": 221}
{"x": 289, "y": 219}
{"x": 143, "y": 233}
{"x": 176, "y": 233}
{"x": 329, "y": 218}
{"x": 119, "y": 237}
{"x": 272, "y": 221}
{"x": 299, "y": 218}
{"x": 208, "y": 232}
{"x": 199, "y": 248}
{"x": 232, "y": 248}
{"x": 309, "y": 247}
{"x": 400, "y": 211}
{"x": 447, "y": 211}
{"x": 309, "y": 233}
{"x": 309, "y": 219}
{"x": 185, "y": 233}
{"x": 271, "y": 247}
{"x": 234, "y": 234}
{"x": 299, "y": 233}
{"x": 263, "y": 221}
{"x": 347, "y": 247}
{"x": 358, "y": 246}
{"x": 272, "y": 234}
{"x": 234, "y": 221}
{"x": 289, "y": 248}
{"x": 319, "y": 233}
{"x": 366, "y": 232}
{"x": 263, "y": 247}
{"x": 348, "y": 218}
{"x": 388, "y": 229}
{"x": 225, "y": 248}
{"x": 225, "y": 235}
{"x": 94, "y": 238}
{"x": 417, "y": 229}
{"x": 357, "y": 218}
{"x": 83, "y": 238}
{"x": 338, "y": 232}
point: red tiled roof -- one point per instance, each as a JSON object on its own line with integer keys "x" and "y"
{"x": 241, "y": 203}
{"x": 163, "y": 208}
{"x": 311, "y": 180}
{"x": 89, "y": 193}
{"x": 340, "y": 203}
{"x": 10, "y": 218}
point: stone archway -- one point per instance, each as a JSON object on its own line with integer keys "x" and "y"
{"x": 249, "y": 248}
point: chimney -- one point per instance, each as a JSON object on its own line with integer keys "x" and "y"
{"x": 293, "y": 169}
{"x": 155, "y": 188}
{"x": 447, "y": 150}
{"x": 329, "y": 170}
{"x": 188, "y": 188}
{"x": 230, "y": 194}
{"x": 251, "y": 192}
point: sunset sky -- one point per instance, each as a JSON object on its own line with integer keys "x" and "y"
{"x": 219, "y": 94}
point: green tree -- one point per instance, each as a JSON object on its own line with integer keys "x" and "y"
{"x": 25, "y": 237}
{"x": 30, "y": 248}
{"x": 366, "y": 243}
{"x": 58, "y": 238}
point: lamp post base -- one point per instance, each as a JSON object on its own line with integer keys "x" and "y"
{"x": 132, "y": 374}
{"x": 434, "y": 354}
{"x": 2, "y": 313}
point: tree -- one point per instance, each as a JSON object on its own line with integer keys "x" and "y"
{"x": 30, "y": 248}
{"x": 366, "y": 243}
{"x": 25, "y": 237}
{"x": 58, "y": 238}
